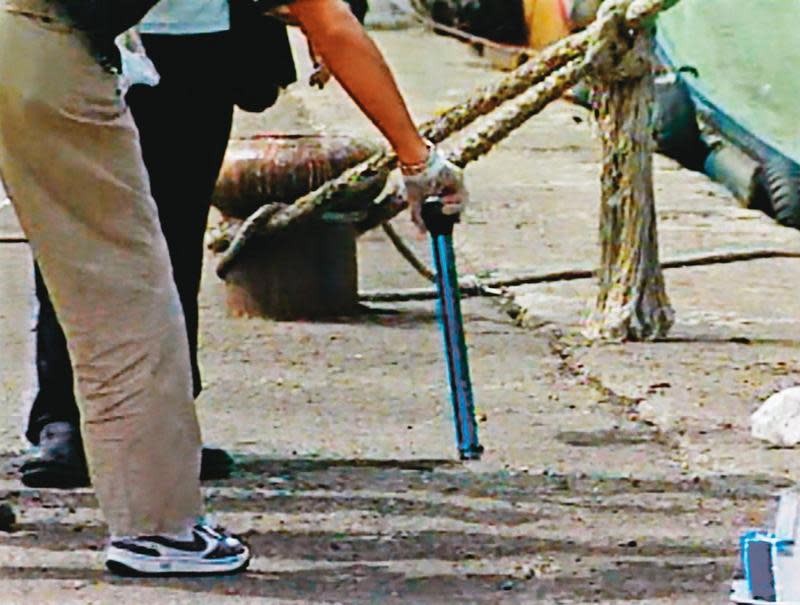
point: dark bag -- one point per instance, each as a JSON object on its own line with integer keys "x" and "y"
{"x": 106, "y": 19}
{"x": 261, "y": 57}
{"x": 103, "y": 20}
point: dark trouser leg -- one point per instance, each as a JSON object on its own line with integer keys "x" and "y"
{"x": 184, "y": 125}
{"x": 55, "y": 401}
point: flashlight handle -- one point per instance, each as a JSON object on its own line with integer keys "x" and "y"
{"x": 436, "y": 221}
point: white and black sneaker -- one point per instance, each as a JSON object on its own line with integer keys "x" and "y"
{"x": 210, "y": 552}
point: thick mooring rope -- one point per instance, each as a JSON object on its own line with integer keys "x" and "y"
{"x": 262, "y": 223}
{"x": 509, "y": 119}
{"x": 533, "y": 85}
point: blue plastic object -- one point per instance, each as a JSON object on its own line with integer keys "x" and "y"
{"x": 759, "y": 552}
{"x": 440, "y": 227}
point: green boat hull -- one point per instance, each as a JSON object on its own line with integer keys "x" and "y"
{"x": 747, "y": 57}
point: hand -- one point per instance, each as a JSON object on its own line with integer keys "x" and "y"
{"x": 321, "y": 74}
{"x": 440, "y": 178}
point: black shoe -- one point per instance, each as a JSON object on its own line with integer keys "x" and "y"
{"x": 60, "y": 463}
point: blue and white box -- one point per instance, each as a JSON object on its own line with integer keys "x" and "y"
{"x": 771, "y": 569}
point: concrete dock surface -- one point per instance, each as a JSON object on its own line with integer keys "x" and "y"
{"x": 614, "y": 473}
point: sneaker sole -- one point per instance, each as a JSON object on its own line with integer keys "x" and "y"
{"x": 174, "y": 568}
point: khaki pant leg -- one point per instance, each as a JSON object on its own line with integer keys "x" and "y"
{"x": 70, "y": 158}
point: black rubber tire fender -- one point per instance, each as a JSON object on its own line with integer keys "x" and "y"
{"x": 675, "y": 128}
{"x": 779, "y": 181}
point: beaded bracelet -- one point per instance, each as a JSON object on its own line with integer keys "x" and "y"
{"x": 417, "y": 167}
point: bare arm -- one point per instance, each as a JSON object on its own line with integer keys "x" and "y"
{"x": 360, "y": 68}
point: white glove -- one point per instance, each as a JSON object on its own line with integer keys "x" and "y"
{"x": 438, "y": 178}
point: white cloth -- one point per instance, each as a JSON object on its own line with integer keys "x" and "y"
{"x": 137, "y": 68}
{"x": 181, "y": 17}
{"x": 778, "y": 419}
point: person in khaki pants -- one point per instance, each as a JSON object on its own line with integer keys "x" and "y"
{"x": 71, "y": 160}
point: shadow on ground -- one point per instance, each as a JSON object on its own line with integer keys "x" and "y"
{"x": 357, "y": 583}
{"x": 361, "y": 565}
